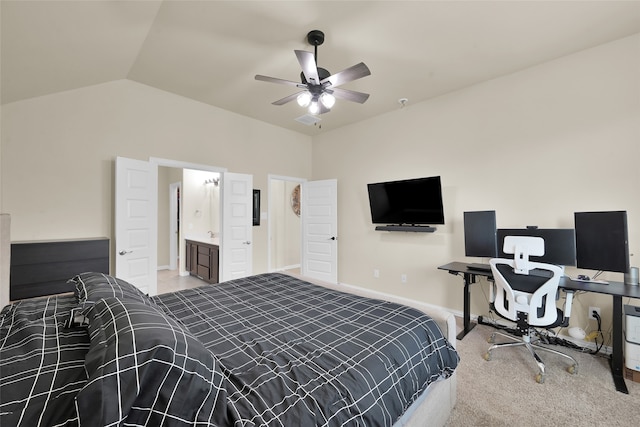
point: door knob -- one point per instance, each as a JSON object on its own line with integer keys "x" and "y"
{"x": 123, "y": 252}
{"x": 332, "y": 238}
{"x": 246, "y": 243}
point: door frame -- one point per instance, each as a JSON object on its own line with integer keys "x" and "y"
{"x": 174, "y": 229}
{"x": 270, "y": 215}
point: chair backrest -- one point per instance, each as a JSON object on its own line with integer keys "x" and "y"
{"x": 517, "y": 290}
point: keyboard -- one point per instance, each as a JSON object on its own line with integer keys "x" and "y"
{"x": 600, "y": 282}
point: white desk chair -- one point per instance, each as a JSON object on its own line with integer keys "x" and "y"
{"x": 526, "y": 294}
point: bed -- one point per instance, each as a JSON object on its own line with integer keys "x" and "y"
{"x": 270, "y": 349}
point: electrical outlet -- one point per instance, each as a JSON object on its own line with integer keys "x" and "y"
{"x": 591, "y": 310}
{"x": 403, "y": 278}
{"x": 376, "y": 273}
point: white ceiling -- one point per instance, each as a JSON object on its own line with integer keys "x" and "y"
{"x": 210, "y": 51}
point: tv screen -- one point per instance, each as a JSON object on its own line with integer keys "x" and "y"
{"x": 411, "y": 201}
{"x": 559, "y": 244}
{"x": 602, "y": 242}
{"x": 480, "y": 234}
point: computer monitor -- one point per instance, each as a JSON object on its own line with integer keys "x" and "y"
{"x": 602, "y": 242}
{"x": 559, "y": 244}
{"x": 480, "y": 234}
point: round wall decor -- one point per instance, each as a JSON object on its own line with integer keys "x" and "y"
{"x": 295, "y": 200}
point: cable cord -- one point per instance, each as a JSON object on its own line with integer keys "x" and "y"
{"x": 599, "y": 320}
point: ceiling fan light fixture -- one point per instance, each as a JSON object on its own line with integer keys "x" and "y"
{"x": 314, "y": 107}
{"x": 328, "y": 100}
{"x": 304, "y": 99}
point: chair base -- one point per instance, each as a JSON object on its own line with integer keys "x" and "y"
{"x": 529, "y": 345}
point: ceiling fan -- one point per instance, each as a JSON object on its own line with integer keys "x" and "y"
{"x": 320, "y": 87}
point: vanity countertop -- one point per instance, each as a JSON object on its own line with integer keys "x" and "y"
{"x": 204, "y": 239}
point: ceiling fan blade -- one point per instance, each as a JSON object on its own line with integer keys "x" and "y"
{"x": 279, "y": 81}
{"x": 348, "y": 75}
{"x": 287, "y": 99}
{"x": 309, "y": 66}
{"x": 349, "y": 95}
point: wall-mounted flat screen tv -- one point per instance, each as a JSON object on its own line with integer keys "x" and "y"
{"x": 410, "y": 201}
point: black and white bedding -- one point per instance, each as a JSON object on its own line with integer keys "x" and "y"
{"x": 264, "y": 350}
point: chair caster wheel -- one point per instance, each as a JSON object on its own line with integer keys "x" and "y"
{"x": 573, "y": 369}
{"x": 540, "y": 379}
{"x": 487, "y": 356}
{"x": 492, "y": 339}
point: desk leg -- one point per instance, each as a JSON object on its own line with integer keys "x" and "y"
{"x": 617, "y": 362}
{"x": 466, "y": 320}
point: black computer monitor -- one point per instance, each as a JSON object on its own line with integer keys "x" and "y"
{"x": 559, "y": 244}
{"x": 480, "y": 234}
{"x": 602, "y": 241}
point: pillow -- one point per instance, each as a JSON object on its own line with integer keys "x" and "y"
{"x": 143, "y": 368}
{"x": 91, "y": 287}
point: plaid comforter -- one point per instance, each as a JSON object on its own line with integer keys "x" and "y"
{"x": 264, "y": 350}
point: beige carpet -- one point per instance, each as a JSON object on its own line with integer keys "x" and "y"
{"x": 503, "y": 391}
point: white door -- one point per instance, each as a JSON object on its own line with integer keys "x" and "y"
{"x": 136, "y": 218}
{"x": 237, "y": 222}
{"x": 319, "y": 213}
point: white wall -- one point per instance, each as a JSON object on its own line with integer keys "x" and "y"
{"x": 58, "y": 154}
{"x": 535, "y": 146}
{"x": 200, "y": 204}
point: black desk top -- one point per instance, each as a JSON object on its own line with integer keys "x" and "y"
{"x": 613, "y": 288}
{"x": 463, "y": 267}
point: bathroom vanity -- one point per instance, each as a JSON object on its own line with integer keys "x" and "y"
{"x": 202, "y": 258}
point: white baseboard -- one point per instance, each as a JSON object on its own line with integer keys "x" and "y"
{"x": 401, "y": 300}
{"x": 287, "y": 267}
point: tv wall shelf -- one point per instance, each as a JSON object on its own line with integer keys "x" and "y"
{"x": 410, "y": 228}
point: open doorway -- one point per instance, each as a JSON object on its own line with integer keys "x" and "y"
{"x": 169, "y": 206}
{"x": 284, "y": 232}
{"x": 136, "y": 221}
{"x": 188, "y": 207}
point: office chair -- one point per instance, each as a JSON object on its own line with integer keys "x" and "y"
{"x": 526, "y": 294}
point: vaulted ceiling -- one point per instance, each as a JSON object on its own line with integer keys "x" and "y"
{"x": 210, "y": 51}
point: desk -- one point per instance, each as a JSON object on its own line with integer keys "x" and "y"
{"x": 617, "y": 290}
{"x": 468, "y": 277}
